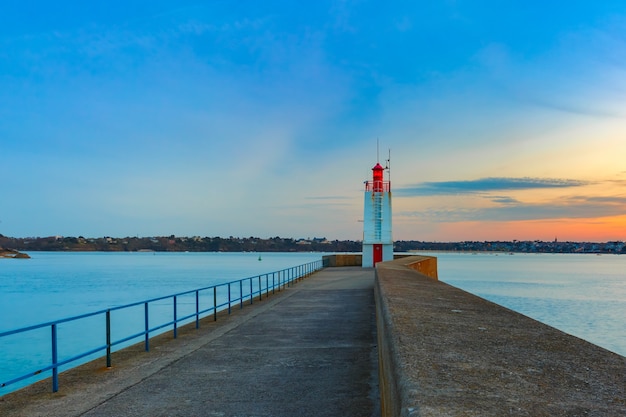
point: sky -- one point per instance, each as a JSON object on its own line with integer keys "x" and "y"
{"x": 502, "y": 120}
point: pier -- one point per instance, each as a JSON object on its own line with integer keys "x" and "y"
{"x": 309, "y": 350}
{"x": 349, "y": 341}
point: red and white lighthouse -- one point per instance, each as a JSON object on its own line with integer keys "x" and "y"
{"x": 377, "y": 240}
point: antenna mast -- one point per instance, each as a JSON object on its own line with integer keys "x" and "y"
{"x": 388, "y": 166}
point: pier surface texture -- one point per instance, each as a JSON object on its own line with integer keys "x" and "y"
{"x": 309, "y": 350}
{"x": 445, "y": 352}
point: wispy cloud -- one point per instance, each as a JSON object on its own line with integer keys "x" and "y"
{"x": 485, "y": 185}
{"x": 328, "y": 197}
{"x": 578, "y": 207}
{"x": 504, "y": 200}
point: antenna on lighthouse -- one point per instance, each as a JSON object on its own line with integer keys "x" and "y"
{"x": 388, "y": 166}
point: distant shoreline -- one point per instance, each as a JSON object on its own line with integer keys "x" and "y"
{"x": 277, "y": 244}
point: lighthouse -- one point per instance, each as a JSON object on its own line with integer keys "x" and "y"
{"x": 377, "y": 240}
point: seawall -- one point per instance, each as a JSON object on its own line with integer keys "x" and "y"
{"x": 443, "y": 351}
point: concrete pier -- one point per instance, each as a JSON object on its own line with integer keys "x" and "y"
{"x": 309, "y": 350}
{"x": 445, "y": 352}
{"x": 349, "y": 342}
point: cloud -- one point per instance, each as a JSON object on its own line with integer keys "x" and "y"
{"x": 504, "y": 200}
{"x": 578, "y": 207}
{"x": 485, "y": 185}
{"x": 329, "y": 197}
{"x": 610, "y": 200}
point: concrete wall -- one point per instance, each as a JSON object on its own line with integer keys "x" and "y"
{"x": 427, "y": 265}
{"x": 349, "y": 259}
{"x": 445, "y": 352}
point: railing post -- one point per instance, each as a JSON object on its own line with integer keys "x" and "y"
{"x": 260, "y": 289}
{"x": 55, "y": 369}
{"x": 251, "y": 296}
{"x": 108, "y": 337}
{"x": 240, "y": 294}
{"x": 214, "y": 303}
{"x": 267, "y": 285}
{"x": 147, "y": 327}
{"x": 273, "y": 282}
{"x": 175, "y": 320}
{"x": 229, "y": 298}
{"x": 197, "y": 310}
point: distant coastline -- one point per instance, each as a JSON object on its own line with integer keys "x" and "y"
{"x": 277, "y": 244}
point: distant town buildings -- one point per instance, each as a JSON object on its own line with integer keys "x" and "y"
{"x": 173, "y": 243}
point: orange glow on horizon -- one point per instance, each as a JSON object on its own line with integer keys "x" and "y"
{"x": 588, "y": 230}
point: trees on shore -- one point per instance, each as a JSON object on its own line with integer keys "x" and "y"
{"x": 173, "y": 243}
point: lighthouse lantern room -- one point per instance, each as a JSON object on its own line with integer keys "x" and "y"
{"x": 377, "y": 240}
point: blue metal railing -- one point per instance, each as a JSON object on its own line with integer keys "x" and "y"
{"x": 273, "y": 281}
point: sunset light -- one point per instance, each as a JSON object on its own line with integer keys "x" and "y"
{"x": 504, "y": 121}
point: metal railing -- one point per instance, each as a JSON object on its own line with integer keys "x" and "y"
{"x": 378, "y": 186}
{"x": 256, "y": 287}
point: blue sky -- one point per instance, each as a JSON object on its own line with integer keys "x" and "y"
{"x": 505, "y": 120}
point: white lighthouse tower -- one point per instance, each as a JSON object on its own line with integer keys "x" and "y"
{"x": 377, "y": 240}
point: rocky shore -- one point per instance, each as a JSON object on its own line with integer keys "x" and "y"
{"x": 11, "y": 253}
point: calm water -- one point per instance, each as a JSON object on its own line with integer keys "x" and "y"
{"x": 584, "y": 295}
{"x": 56, "y": 285}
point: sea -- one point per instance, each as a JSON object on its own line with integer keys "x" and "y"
{"x": 583, "y": 295}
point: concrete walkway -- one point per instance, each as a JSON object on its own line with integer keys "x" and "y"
{"x": 309, "y": 350}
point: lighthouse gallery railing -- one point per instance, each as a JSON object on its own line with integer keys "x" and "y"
{"x": 256, "y": 287}
{"x": 378, "y": 186}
